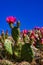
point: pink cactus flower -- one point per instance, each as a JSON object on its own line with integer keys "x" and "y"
{"x": 32, "y": 36}
{"x": 24, "y": 35}
{"x": 10, "y": 19}
{"x": 25, "y": 31}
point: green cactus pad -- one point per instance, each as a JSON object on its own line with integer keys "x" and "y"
{"x": 27, "y": 53}
{"x": 17, "y": 51}
{"x": 15, "y": 33}
{"x": 8, "y": 46}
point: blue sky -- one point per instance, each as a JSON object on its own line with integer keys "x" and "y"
{"x": 29, "y": 12}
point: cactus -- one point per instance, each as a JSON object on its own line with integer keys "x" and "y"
{"x": 6, "y": 35}
{"x": 8, "y": 46}
{"x": 2, "y": 36}
{"x": 21, "y": 52}
{"x": 17, "y": 51}
{"x": 16, "y": 32}
{"x": 27, "y": 53}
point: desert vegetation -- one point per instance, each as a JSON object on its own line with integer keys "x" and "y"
{"x": 21, "y": 47}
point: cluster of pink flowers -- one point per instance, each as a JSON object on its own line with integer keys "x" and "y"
{"x": 34, "y": 35}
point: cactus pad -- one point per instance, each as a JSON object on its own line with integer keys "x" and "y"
{"x": 8, "y": 46}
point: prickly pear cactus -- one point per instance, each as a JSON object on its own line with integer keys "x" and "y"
{"x": 17, "y": 51}
{"x": 15, "y": 33}
{"x": 8, "y": 46}
{"x": 27, "y": 53}
{"x": 6, "y": 35}
{"x": 21, "y": 52}
{"x": 26, "y": 39}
